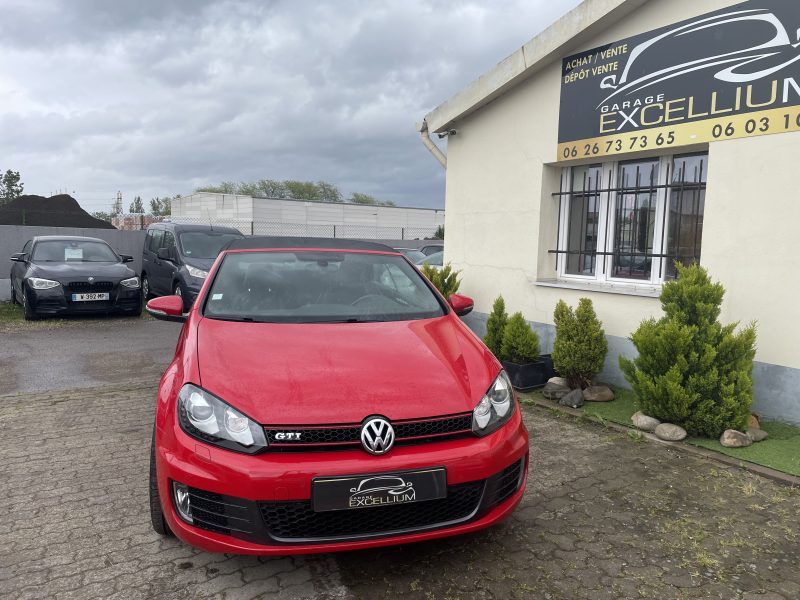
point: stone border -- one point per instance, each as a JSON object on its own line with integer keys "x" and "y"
{"x": 773, "y": 474}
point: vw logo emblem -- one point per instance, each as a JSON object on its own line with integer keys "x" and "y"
{"x": 377, "y": 435}
{"x": 91, "y": 279}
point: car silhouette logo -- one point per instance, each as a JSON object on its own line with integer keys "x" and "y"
{"x": 761, "y": 59}
{"x": 394, "y": 486}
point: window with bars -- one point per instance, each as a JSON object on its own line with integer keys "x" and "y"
{"x": 630, "y": 221}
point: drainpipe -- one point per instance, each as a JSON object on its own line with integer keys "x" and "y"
{"x": 434, "y": 149}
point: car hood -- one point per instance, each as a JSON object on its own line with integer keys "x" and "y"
{"x": 300, "y": 374}
{"x": 64, "y": 272}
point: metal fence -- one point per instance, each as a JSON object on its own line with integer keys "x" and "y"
{"x": 279, "y": 228}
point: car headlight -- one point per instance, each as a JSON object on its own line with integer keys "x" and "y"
{"x": 205, "y": 417}
{"x": 495, "y": 408}
{"x": 195, "y": 272}
{"x": 132, "y": 283}
{"x": 42, "y": 284}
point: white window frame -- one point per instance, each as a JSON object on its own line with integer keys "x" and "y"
{"x": 606, "y": 230}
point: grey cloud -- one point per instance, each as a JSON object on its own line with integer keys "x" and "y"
{"x": 156, "y": 97}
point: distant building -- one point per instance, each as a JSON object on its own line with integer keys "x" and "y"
{"x": 134, "y": 222}
{"x": 274, "y": 216}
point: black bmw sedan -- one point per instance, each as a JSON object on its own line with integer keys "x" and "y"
{"x": 56, "y": 275}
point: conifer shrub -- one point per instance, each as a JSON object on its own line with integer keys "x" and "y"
{"x": 520, "y": 343}
{"x": 692, "y": 370}
{"x": 580, "y": 345}
{"x": 495, "y": 326}
{"x": 445, "y": 280}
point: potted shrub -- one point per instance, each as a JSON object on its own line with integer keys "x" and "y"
{"x": 520, "y": 354}
{"x": 580, "y": 346}
{"x": 495, "y": 327}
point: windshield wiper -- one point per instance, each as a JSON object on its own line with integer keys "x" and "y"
{"x": 232, "y": 318}
{"x": 350, "y": 320}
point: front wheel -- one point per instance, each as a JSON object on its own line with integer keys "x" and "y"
{"x": 27, "y": 310}
{"x": 13, "y": 293}
{"x": 145, "y": 288}
{"x": 156, "y": 513}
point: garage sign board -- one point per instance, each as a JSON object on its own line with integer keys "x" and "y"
{"x": 728, "y": 74}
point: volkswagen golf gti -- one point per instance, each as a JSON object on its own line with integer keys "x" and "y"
{"x": 324, "y": 396}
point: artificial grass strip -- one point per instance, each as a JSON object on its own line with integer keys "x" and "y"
{"x": 780, "y": 451}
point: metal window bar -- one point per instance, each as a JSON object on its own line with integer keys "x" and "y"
{"x": 686, "y": 191}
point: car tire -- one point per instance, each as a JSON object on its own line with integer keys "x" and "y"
{"x": 13, "y": 293}
{"x": 146, "y": 292}
{"x": 27, "y": 312}
{"x": 156, "y": 513}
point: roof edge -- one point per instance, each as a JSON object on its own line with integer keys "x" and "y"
{"x": 558, "y": 40}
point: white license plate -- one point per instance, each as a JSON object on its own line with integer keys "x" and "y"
{"x": 89, "y": 297}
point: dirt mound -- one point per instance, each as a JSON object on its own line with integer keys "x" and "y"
{"x": 56, "y": 211}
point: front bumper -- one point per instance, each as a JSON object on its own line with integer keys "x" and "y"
{"x": 261, "y": 504}
{"x": 58, "y": 301}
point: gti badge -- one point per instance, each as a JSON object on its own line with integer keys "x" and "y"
{"x": 377, "y": 436}
{"x": 289, "y": 436}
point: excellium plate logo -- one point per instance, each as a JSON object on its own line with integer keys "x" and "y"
{"x": 382, "y": 490}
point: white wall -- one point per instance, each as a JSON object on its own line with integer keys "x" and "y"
{"x": 501, "y": 216}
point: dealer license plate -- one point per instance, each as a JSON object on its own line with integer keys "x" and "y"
{"x": 89, "y": 297}
{"x": 383, "y": 489}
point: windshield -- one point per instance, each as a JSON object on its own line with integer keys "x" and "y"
{"x": 319, "y": 287}
{"x": 73, "y": 251}
{"x": 205, "y": 244}
{"x": 435, "y": 260}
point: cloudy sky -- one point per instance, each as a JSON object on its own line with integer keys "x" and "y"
{"x": 157, "y": 97}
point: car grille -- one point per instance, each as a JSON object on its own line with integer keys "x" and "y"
{"x": 417, "y": 431}
{"x": 297, "y": 521}
{"x": 84, "y": 287}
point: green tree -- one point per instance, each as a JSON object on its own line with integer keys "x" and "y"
{"x": 357, "y": 198}
{"x": 386, "y": 203}
{"x": 10, "y": 186}
{"x": 329, "y": 192}
{"x": 495, "y": 326}
{"x": 226, "y": 187}
{"x": 161, "y": 207}
{"x": 270, "y": 188}
{"x": 580, "y": 345}
{"x": 244, "y": 188}
{"x": 103, "y": 216}
{"x": 520, "y": 342}
{"x": 439, "y": 233}
{"x": 692, "y": 370}
{"x": 445, "y": 280}
{"x": 137, "y": 206}
{"x": 303, "y": 190}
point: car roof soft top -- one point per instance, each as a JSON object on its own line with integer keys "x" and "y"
{"x": 255, "y": 243}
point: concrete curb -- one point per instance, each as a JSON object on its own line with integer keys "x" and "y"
{"x": 773, "y": 474}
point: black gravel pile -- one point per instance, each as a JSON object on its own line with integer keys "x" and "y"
{"x": 56, "y": 211}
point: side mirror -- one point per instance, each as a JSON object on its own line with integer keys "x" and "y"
{"x": 167, "y": 308}
{"x": 126, "y": 258}
{"x": 462, "y": 305}
{"x": 164, "y": 254}
{"x": 19, "y": 257}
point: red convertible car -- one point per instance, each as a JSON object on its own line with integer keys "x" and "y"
{"x": 310, "y": 368}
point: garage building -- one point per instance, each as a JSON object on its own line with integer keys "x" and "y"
{"x": 628, "y": 135}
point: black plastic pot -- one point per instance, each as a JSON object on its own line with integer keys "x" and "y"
{"x": 531, "y": 375}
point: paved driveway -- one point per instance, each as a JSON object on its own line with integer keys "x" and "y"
{"x": 603, "y": 517}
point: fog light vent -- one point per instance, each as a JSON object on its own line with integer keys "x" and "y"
{"x": 182, "y": 502}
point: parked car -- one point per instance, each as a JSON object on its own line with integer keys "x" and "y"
{"x": 432, "y": 248}
{"x": 413, "y": 254}
{"x": 316, "y": 404}
{"x": 56, "y": 275}
{"x": 176, "y": 258}
{"x": 435, "y": 260}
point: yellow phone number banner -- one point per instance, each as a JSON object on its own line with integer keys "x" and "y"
{"x": 778, "y": 120}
